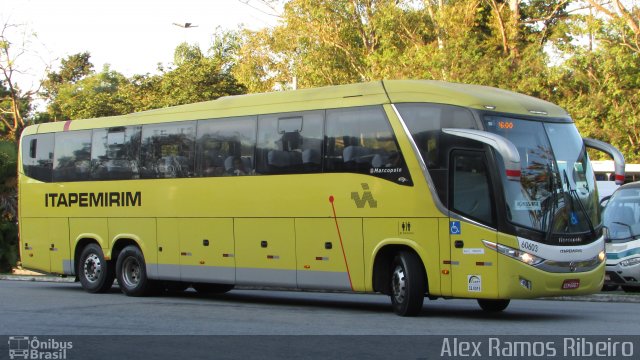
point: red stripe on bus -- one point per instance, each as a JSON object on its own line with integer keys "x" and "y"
{"x": 335, "y": 218}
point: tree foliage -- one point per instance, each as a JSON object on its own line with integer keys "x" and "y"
{"x": 536, "y": 47}
{"x": 8, "y": 206}
{"x": 75, "y": 91}
{"x": 15, "y": 101}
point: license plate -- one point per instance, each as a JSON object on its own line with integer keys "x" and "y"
{"x": 607, "y": 277}
{"x": 570, "y": 284}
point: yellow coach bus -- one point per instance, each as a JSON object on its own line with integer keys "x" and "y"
{"x": 413, "y": 189}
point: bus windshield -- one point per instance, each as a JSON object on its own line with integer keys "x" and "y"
{"x": 556, "y": 192}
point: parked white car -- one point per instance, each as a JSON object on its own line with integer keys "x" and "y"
{"x": 622, "y": 219}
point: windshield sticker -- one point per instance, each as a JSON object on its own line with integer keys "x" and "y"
{"x": 574, "y": 218}
{"x": 527, "y": 205}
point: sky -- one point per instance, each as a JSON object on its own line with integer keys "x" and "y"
{"x": 133, "y": 36}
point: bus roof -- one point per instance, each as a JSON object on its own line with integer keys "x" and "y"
{"x": 361, "y": 94}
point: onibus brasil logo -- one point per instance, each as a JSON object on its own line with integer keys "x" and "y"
{"x": 25, "y": 347}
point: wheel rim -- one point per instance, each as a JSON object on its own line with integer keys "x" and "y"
{"x": 131, "y": 272}
{"x": 398, "y": 284}
{"x": 92, "y": 268}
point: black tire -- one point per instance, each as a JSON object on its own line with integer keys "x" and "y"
{"x": 631, "y": 289}
{"x": 408, "y": 284}
{"x": 490, "y": 305}
{"x": 212, "y": 289}
{"x": 95, "y": 273}
{"x": 131, "y": 272}
{"x": 609, "y": 287}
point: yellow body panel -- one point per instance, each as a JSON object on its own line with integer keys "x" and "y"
{"x": 265, "y": 250}
{"x": 421, "y": 235}
{"x": 474, "y": 267}
{"x": 168, "y": 249}
{"x": 96, "y": 229}
{"x": 34, "y": 238}
{"x": 206, "y": 242}
{"x": 140, "y": 230}
{"x": 319, "y": 248}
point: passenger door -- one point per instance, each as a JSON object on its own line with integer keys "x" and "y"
{"x": 472, "y": 219}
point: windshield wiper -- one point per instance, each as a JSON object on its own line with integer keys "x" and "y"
{"x": 574, "y": 195}
{"x": 631, "y": 234}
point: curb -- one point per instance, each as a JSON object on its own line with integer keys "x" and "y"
{"x": 601, "y": 297}
{"x": 616, "y": 298}
{"x": 37, "y": 278}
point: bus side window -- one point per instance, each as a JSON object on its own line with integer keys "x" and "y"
{"x": 224, "y": 143}
{"x": 37, "y": 156}
{"x": 361, "y": 140}
{"x": 425, "y": 122}
{"x": 289, "y": 143}
{"x": 168, "y": 150}
{"x": 72, "y": 161}
{"x": 115, "y": 153}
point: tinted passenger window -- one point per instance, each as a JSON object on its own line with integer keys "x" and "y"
{"x": 361, "y": 140}
{"x": 37, "y": 156}
{"x": 168, "y": 150}
{"x": 290, "y": 143}
{"x": 72, "y": 156}
{"x": 471, "y": 195}
{"x": 115, "y": 153}
{"x": 225, "y": 147}
{"x": 425, "y": 122}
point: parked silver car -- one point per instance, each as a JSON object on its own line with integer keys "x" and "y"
{"x": 622, "y": 219}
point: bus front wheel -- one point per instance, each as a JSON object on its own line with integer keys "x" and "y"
{"x": 407, "y": 284}
{"x": 131, "y": 272}
{"x": 490, "y": 305}
{"x": 95, "y": 273}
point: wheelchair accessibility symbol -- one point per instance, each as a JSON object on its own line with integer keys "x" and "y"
{"x": 454, "y": 228}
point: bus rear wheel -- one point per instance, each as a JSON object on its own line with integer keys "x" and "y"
{"x": 490, "y": 305}
{"x": 407, "y": 284}
{"x": 96, "y": 275}
{"x": 131, "y": 272}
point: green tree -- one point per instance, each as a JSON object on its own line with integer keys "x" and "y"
{"x": 15, "y": 102}
{"x": 196, "y": 77}
{"x": 327, "y": 42}
{"x": 599, "y": 82}
{"x": 95, "y": 95}
{"x": 8, "y": 206}
{"x": 72, "y": 69}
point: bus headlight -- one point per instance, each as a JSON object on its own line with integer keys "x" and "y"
{"x": 630, "y": 262}
{"x": 602, "y": 256}
{"x": 520, "y": 255}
